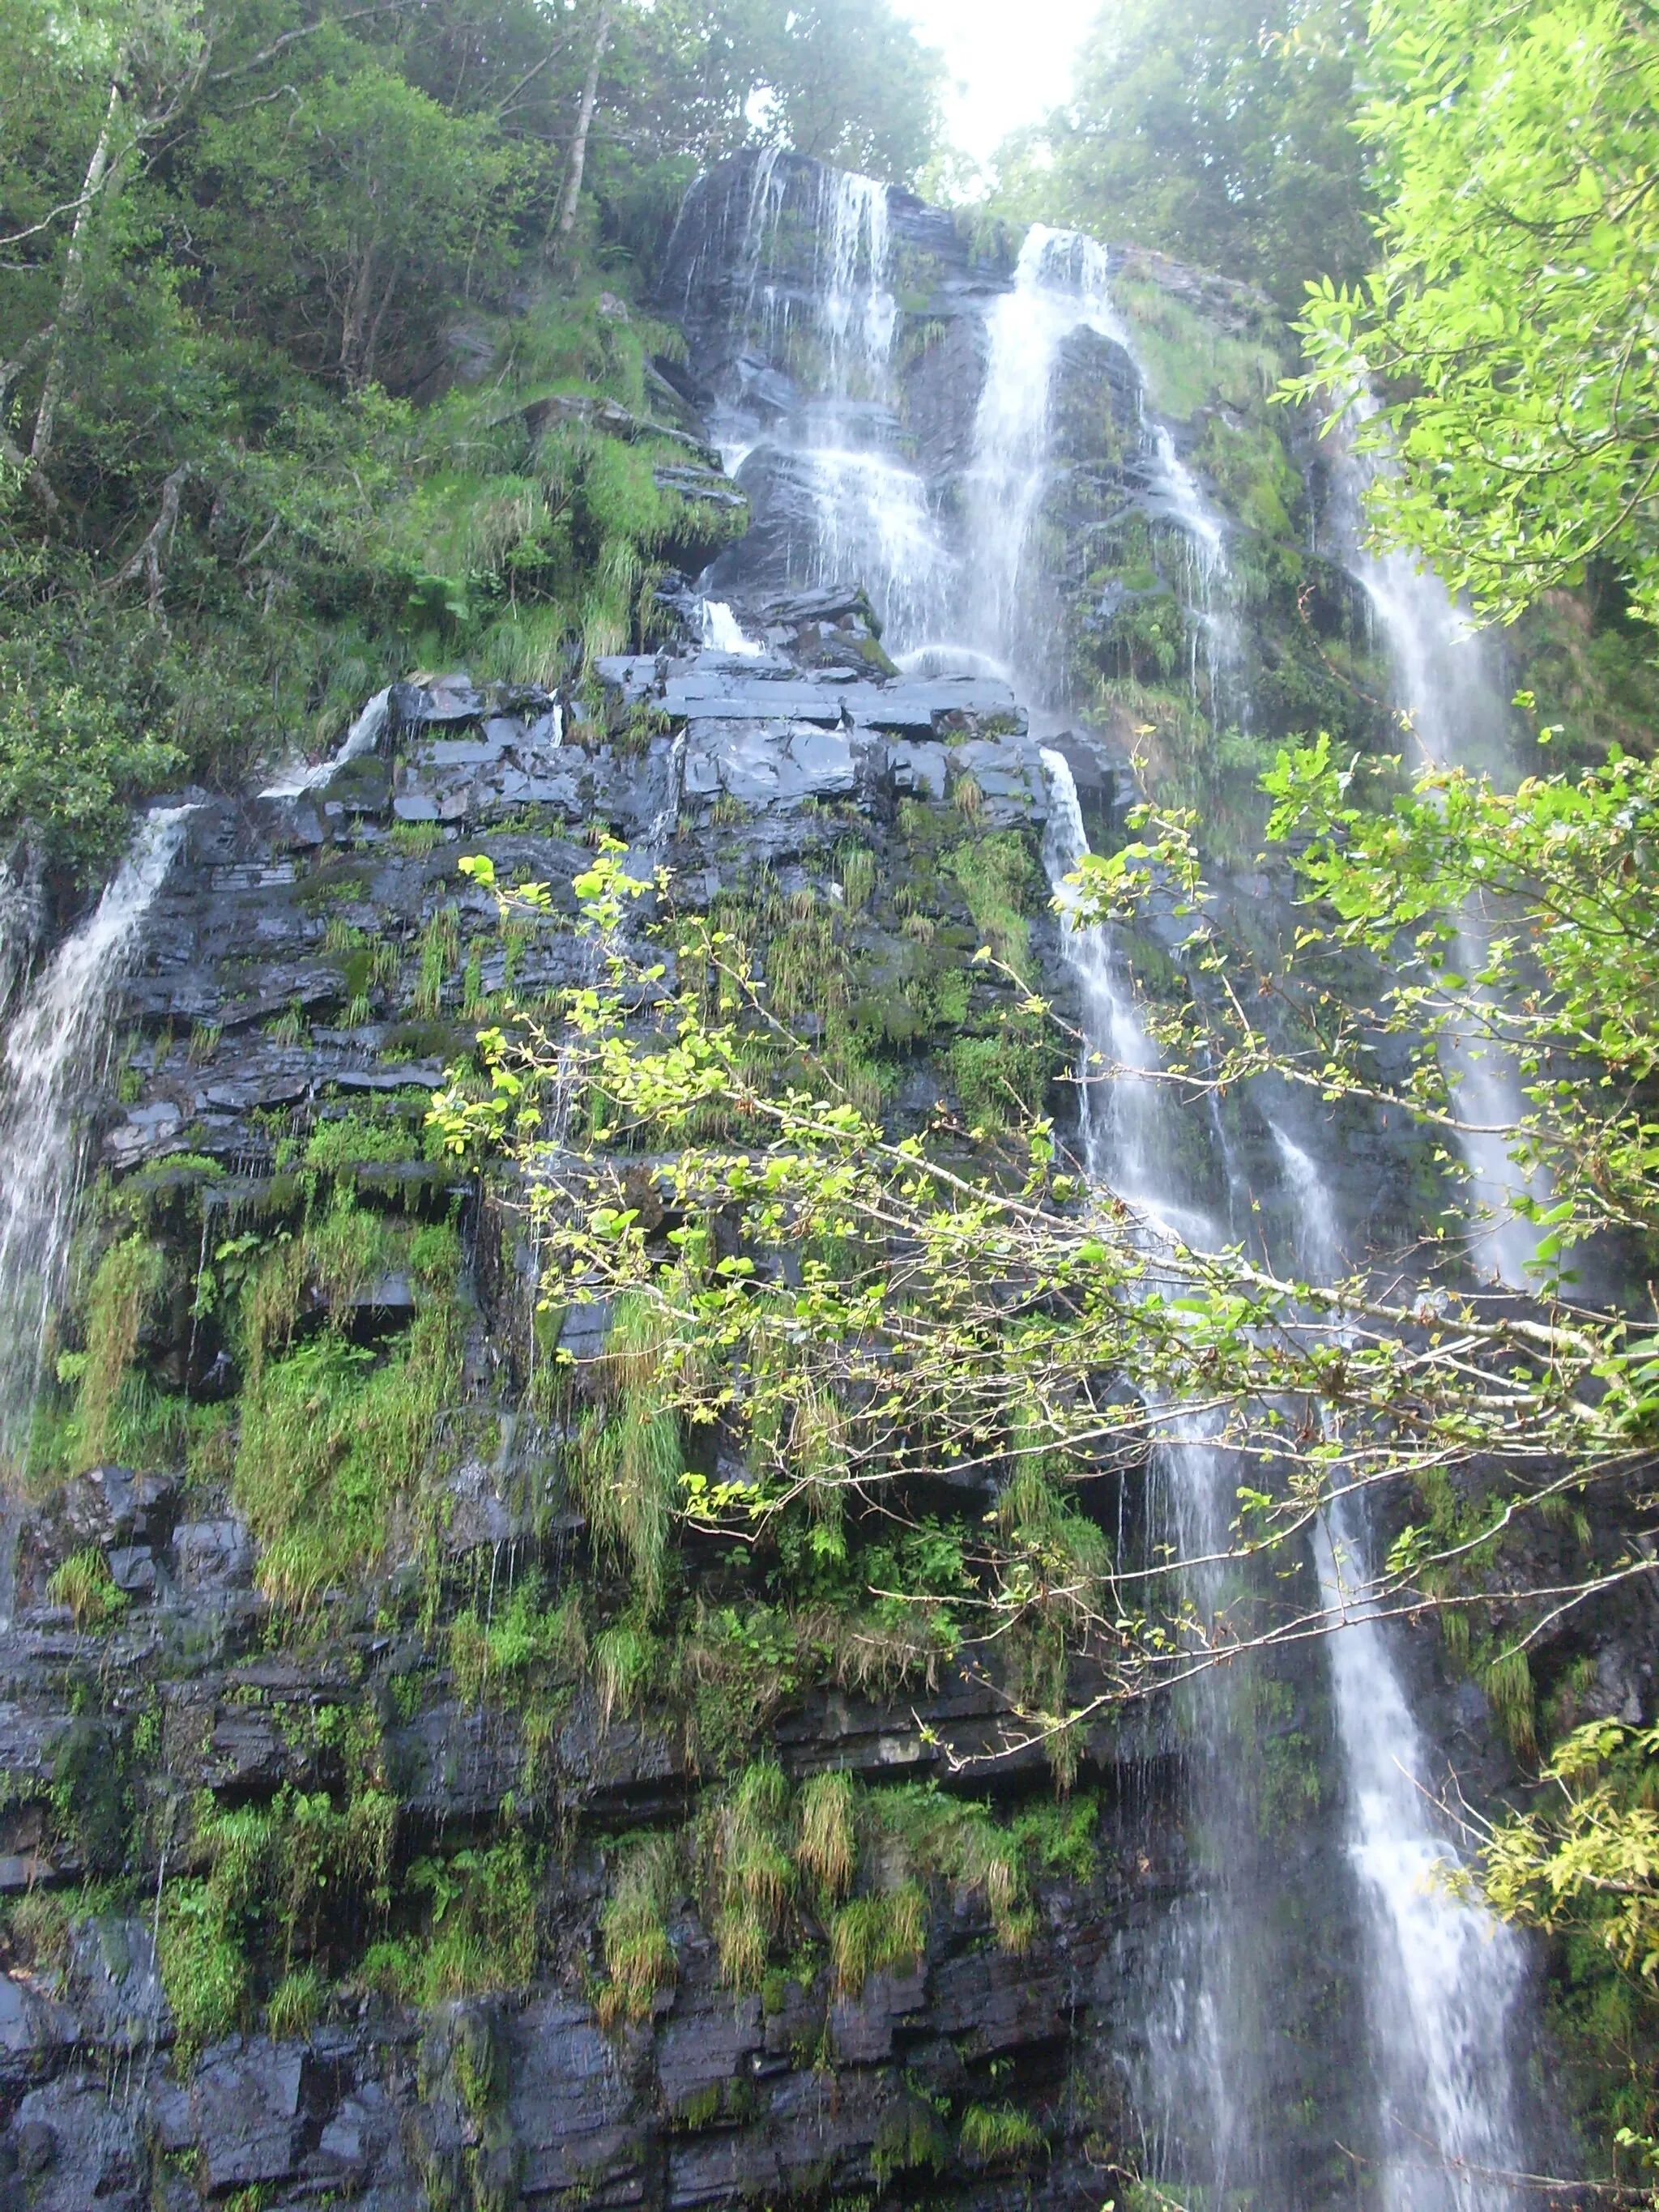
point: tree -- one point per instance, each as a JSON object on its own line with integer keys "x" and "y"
{"x": 1508, "y": 325}
{"x": 1214, "y": 131}
{"x": 849, "y": 82}
{"x": 331, "y": 213}
{"x": 972, "y": 1311}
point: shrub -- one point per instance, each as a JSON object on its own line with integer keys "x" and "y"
{"x": 1000, "y": 2135}
{"x": 882, "y": 1934}
{"x": 828, "y": 1850}
{"x": 297, "y": 2003}
{"x": 629, "y": 1462}
{"x": 752, "y": 1875}
{"x": 639, "y": 1952}
{"x": 124, "y": 1288}
{"x": 482, "y": 1928}
{"x": 85, "y": 1584}
{"x": 330, "y": 1441}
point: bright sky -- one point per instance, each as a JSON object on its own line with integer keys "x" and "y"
{"x": 1008, "y": 61}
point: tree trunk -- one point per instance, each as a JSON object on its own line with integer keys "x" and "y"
{"x": 572, "y": 183}
{"x": 72, "y": 296}
{"x": 354, "y": 317}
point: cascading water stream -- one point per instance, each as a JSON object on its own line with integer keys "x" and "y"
{"x": 1212, "y": 2069}
{"x": 1443, "y": 680}
{"x": 59, "y": 1044}
{"x": 1443, "y": 1978}
{"x": 362, "y": 737}
{"x": 1207, "y": 2092}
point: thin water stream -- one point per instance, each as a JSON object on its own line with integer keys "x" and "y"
{"x": 1447, "y": 685}
{"x": 57, "y": 1051}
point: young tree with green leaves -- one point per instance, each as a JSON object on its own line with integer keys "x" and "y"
{"x": 1217, "y": 131}
{"x": 1508, "y": 328}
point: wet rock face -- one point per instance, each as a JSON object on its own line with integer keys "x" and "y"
{"x": 289, "y": 984}
{"x": 314, "y": 964}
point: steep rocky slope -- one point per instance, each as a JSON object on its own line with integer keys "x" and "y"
{"x": 370, "y": 1833}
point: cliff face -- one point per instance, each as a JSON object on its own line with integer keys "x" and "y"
{"x": 365, "y": 1829}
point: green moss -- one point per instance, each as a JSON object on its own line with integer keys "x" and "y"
{"x": 1189, "y": 363}
{"x": 286, "y": 1881}
{"x": 1245, "y": 462}
{"x": 331, "y": 1440}
{"x": 205, "y": 1971}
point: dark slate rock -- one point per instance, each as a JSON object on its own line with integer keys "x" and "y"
{"x": 707, "y": 2048}
{"x": 572, "y": 2108}
{"x": 246, "y": 2103}
{"x": 77, "y": 2149}
{"x": 211, "y": 1556}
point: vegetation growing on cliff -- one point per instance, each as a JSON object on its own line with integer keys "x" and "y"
{"x": 304, "y": 376}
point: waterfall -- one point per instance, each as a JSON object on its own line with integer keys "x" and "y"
{"x": 1210, "y": 2076}
{"x": 362, "y": 737}
{"x": 1445, "y": 682}
{"x": 855, "y": 299}
{"x": 59, "y": 1045}
{"x": 1059, "y": 286}
{"x": 1209, "y": 581}
{"x": 1443, "y": 1976}
{"x": 1214, "y": 2065}
{"x": 723, "y": 633}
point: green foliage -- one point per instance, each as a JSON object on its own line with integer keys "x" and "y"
{"x": 999, "y": 879}
{"x": 1000, "y": 2135}
{"x": 827, "y": 1852}
{"x": 483, "y": 1927}
{"x": 522, "y": 1639}
{"x": 751, "y": 1873}
{"x": 1001, "y": 1079}
{"x": 350, "y": 1140}
{"x": 908, "y": 2139}
{"x": 333, "y": 1440}
{"x": 885, "y": 1933}
{"x": 71, "y": 765}
{"x": 1568, "y": 855}
{"x": 629, "y": 1462}
{"x": 84, "y": 1583}
{"x": 1518, "y": 255}
{"x": 1217, "y": 131}
{"x": 121, "y": 1294}
{"x": 639, "y": 1952}
{"x": 299, "y": 1877}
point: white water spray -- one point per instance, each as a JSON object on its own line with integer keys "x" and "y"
{"x": 857, "y": 312}
{"x": 1060, "y": 287}
{"x": 362, "y": 737}
{"x": 1442, "y": 1977}
{"x": 723, "y": 633}
{"x": 1206, "y": 2085}
{"x": 60, "y": 1044}
{"x": 1445, "y": 681}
